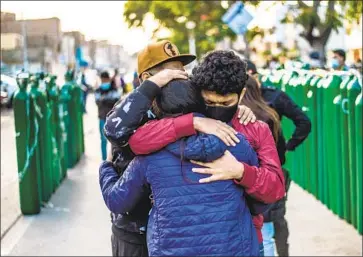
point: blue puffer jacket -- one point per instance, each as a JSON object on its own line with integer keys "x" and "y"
{"x": 187, "y": 218}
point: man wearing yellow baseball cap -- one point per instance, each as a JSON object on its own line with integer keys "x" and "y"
{"x": 162, "y": 55}
{"x": 158, "y": 64}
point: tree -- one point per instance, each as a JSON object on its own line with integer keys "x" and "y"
{"x": 317, "y": 29}
{"x": 210, "y": 29}
{"x": 174, "y": 15}
{"x": 249, "y": 36}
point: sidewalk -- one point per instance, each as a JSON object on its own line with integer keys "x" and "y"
{"x": 10, "y": 210}
{"x": 316, "y": 231}
{"x": 77, "y": 221}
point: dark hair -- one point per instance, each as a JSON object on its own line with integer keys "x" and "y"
{"x": 177, "y": 97}
{"x": 251, "y": 67}
{"x": 221, "y": 71}
{"x": 340, "y": 52}
{"x": 105, "y": 75}
{"x": 254, "y": 100}
{"x": 314, "y": 55}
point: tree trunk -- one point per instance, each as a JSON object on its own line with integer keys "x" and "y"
{"x": 319, "y": 46}
{"x": 247, "y": 49}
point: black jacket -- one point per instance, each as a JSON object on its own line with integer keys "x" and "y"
{"x": 285, "y": 107}
{"x": 105, "y": 100}
{"x": 121, "y": 122}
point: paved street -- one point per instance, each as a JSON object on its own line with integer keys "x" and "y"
{"x": 76, "y": 222}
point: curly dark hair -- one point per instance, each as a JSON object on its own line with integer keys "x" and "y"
{"x": 221, "y": 71}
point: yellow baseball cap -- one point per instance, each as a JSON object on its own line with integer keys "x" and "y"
{"x": 158, "y": 53}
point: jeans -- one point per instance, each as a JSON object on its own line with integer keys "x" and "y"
{"x": 268, "y": 233}
{"x": 103, "y": 140}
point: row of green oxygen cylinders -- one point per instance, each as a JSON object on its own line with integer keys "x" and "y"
{"x": 49, "y": 135}
{"x": 329, "y": 162}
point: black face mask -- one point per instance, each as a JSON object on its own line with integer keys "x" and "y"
{"x": 221, "y": 113}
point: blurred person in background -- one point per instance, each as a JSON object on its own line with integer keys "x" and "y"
{"x": 283, "y": 62}
{"x": 106, "y": 95}
{"x": 86, "y": 88}
{"x": 118, "y": 81}
{"x": 314, "y": 60}
{"x": 123, "y": 83}
{"x": 136, "y": 81}
{"x": 358, "y": 65}
{"x": 338, "y": 61}
{"x": 41, "y": 75}
{"x": 274, "y": 63}
{"x": 275, "y": 224}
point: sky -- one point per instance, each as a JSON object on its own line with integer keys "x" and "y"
{"x": 95, "y": 19}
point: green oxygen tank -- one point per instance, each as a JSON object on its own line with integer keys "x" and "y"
{"x": 27, "y": 131}
{"x": 286, "y": 124}
{"x": 62, "y": 135}
{"x": 53, "y": 96}
{"x": 77, "y": 117}
{"x": 313, "y": 151}
{"x": 321, "y": 171}
{"x": 344, "y": 113}
{"x": 353, "y": 90}
{"x": 45, "y": 145}
{"x": 68, "y": 117}
{"x": 358, "y": 158}
{"x": 301, "y": 159}
{"x": 331, "y": 88}
{"x": 306, "y": 146}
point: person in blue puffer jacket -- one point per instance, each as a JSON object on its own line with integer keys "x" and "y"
{"x": 188, "y": 218}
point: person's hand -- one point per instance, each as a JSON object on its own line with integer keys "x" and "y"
{"x": 165, "y": 76}
{"x": 215, "y": 127}
{"x": 225, "y": 168}
{"x": 245, "y": 114}
{"x": 109, "y": 154}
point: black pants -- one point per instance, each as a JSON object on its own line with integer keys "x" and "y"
{"x": 280, "y": 225}
{"x": 123, "y": 246}
{"x": 281, "y": 236}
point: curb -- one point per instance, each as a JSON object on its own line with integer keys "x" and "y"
{"x": 11, "y": 225}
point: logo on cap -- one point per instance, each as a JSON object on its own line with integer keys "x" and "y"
{"x": 170, "y": 49}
